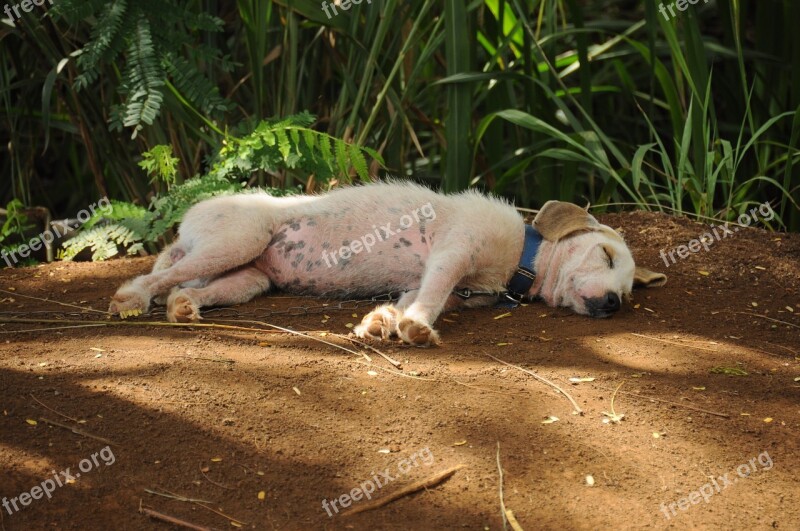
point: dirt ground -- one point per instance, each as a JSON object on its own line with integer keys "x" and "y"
{"x": 230, "y": 428}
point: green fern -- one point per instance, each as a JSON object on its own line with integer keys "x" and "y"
{"x": 287, "y": 144}
{"x": 104, "y": 242}
{"x": 291, "y": 144}
{"x": 149, "y": 33}
{"x": 160, "y": 164}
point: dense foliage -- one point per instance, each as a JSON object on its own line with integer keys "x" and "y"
{"x": 609, "y": 101}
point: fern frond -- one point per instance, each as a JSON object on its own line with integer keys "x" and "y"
{"x": 106, "y": 31}
{"x": 104, "y": 242}
{"x": 144, "y": 76}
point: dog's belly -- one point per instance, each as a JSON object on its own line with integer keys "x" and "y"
{"x": 329, "y": 256}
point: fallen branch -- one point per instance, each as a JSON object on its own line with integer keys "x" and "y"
{"x": 77, "y": 431}
{"x": 171, "y": 519}
{"x": 431, "y": 481}
{"x": 512, "y": 520}
{"x": 502, "y": 500}
{"x": 543, "y": 380}
{"x": 53, "y": 410}
{"x": 133, "y": 323}
{"x": 769, "y": 319}
{"x": 677, "y": 404}
{"x": 673, "y": 342}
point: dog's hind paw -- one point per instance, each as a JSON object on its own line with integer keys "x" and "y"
{"x": 417, "y": 333}
{"x": 182, "y": 309}
{"x": 380, "y": 323}
{"x": 128, "y": 304}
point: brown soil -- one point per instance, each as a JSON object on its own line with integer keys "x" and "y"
{"x": 222, "y": 414}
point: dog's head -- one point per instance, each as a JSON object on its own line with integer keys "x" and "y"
{"x": 585, "y": 265}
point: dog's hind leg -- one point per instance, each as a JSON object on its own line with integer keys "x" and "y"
{"x": 208, "y": 258}
{"x": 235, "y": 287}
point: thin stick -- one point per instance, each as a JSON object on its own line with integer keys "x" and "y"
{"x": 502, "y": 500}
{"x": 484, "y": 389}
{"x": 301, "y": 334}
{"x": 206, "y": 359}
{"x": 396, "y": 373}
{"x": 174, "y": 496}
{"x": 48, "y": 329}
{"x": 674, "y": 342}
{"x": 678, "y": 404}
{"x": 543, "y": 380}
{"x": 171, "y": 519}
{"x": 769, "y": 319}
{"x": 431, "y": 481}
{"x": 512, "y": 520}
{"x": 214, "y": 482}
{"x": 200, "y": 503}
{"x": 15, "y": 294}
{"x": 396, "y": 363}
{"x": 139, "y": 323}
{"x": 76, "y": 431}
{"x": 53, "y": 410}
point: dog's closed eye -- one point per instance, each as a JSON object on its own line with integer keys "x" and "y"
{"x": 609, "y": 255}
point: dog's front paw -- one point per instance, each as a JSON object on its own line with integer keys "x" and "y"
{"x": 380, "y": 323}
{"x": 126, "y": 302}
{"x": 417, "y": 333}
{"x": 182, "y": 309}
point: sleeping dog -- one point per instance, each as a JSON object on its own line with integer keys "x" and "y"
{"x": 440, "y": 251}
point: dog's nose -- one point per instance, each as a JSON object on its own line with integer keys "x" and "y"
{"x": 611, "y": 302}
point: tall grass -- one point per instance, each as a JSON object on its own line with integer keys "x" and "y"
{"x": 582, "y": 100}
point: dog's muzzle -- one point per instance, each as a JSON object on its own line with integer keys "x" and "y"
{"x": 602, "y": 307}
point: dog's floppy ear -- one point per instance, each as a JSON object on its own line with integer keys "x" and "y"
{"x": 557, "y": 219}
{"x": 644, "y": 278}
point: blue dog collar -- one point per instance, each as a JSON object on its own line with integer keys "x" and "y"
{"x": 523, "y": 279}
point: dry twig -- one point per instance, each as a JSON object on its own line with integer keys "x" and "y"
{"x": 77, "y": 431}
{"x": 431, "y": 481}
{"x": 543, "y": 380}
{"x": 171, "y": 519}
{"x": 53, "y": 410}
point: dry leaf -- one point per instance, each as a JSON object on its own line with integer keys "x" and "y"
{"x": 549, "y": 420}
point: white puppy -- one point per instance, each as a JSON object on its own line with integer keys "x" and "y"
{"x": 392, "y": 237}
